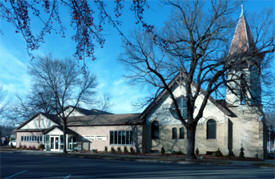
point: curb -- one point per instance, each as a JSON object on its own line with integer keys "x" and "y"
{"x": 149, "y": 159}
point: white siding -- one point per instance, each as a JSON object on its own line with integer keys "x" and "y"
{"x": 55, "y": 131}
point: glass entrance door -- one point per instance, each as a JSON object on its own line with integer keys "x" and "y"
{"x": 52, "y": 142}
{"x": 56, "y": 143}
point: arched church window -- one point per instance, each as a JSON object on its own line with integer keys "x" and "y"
{"x": 211, "y": 129}
{"x": 155, "y": 130}
{"x": 182, "y": 133}
{"x": 181, "y": 101}
{"x": 174, "y": 133}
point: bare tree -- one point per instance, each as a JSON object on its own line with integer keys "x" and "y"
{"x": 66, "y": 82}
{"x": 37, "y": 100}
{"x": 103, "y": 103}
{"x": 3, "y": 102}
{"x": 192, "y": 51}
{"x": 6, "y": 115}
{"x": 87, "y": 20}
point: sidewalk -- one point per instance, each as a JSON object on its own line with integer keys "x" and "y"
{"x": 178, "y": 159}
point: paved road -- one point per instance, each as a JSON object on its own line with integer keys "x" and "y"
{"x": 27, "y": 166}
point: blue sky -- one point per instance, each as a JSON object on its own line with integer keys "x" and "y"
{"x": 14, "y": 58}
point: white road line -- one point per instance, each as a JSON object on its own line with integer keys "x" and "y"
{"x": 18, "y": 173}
{"x": 67, "y": 177}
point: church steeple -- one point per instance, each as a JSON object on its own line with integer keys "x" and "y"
{"x": 241, "y": 10}
{"x": 242, "y": 40}
{"x": 247, "y": 87}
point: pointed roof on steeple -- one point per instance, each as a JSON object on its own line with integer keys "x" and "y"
{"x": 242, "y": 40}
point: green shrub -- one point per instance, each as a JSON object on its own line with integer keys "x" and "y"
{"x": 41, "y": 147}
{"x": 197, "y": 151}
{"x": 241, "y": 152}
{"x": 113, "y": 150}
{"x": 132, "y": 150}
{"x": 118, "y": 150}
{"x": 126, "y": 150}
{"x": 219, "y": 153}
{"x": 162, "y": 150}
{"x": 106, "y": 149}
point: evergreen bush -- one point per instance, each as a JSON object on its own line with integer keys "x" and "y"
{"x": 126, "y": 150}
{"x": 162, "y": 150}
{"x": 241, "y": 152}
{"x": 219, "y": 153}
{"x": 197, "y": 151}
{"x": 41, "y": 147}
{"x": 132, "y": 150}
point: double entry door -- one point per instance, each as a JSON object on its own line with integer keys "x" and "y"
{"x": 55, "y": 143}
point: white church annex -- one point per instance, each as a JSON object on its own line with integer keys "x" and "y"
{"x": 227, "y": 125}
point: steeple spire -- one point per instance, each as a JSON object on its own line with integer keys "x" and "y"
{"x": 242, "y": 39}
{"x": 241, "y": 10}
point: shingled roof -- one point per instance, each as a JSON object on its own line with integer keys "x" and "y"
{"x": 242, "y": 40}
{"x": 105, "y": 120}
{"x": 88, "y": 112}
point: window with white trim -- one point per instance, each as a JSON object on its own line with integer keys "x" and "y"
{"x": 121, "y": 137}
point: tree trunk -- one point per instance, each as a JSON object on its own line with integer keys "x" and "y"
{"x": 191, "y": 131}
{"x": 64, "y": 138}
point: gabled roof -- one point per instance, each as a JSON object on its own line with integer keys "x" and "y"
{"x": 51, "y": 117}
{"x": 88, "y": 112}
{"x": 55, "y": 118}
{"x": 105, "y": 120}
{"x": 220, "y": 105}
{"x": 242, "y": 40}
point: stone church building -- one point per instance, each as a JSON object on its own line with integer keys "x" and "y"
{"x": 227, "y": 125}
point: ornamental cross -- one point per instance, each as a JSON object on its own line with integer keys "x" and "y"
{"x": 39, "y": 119}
